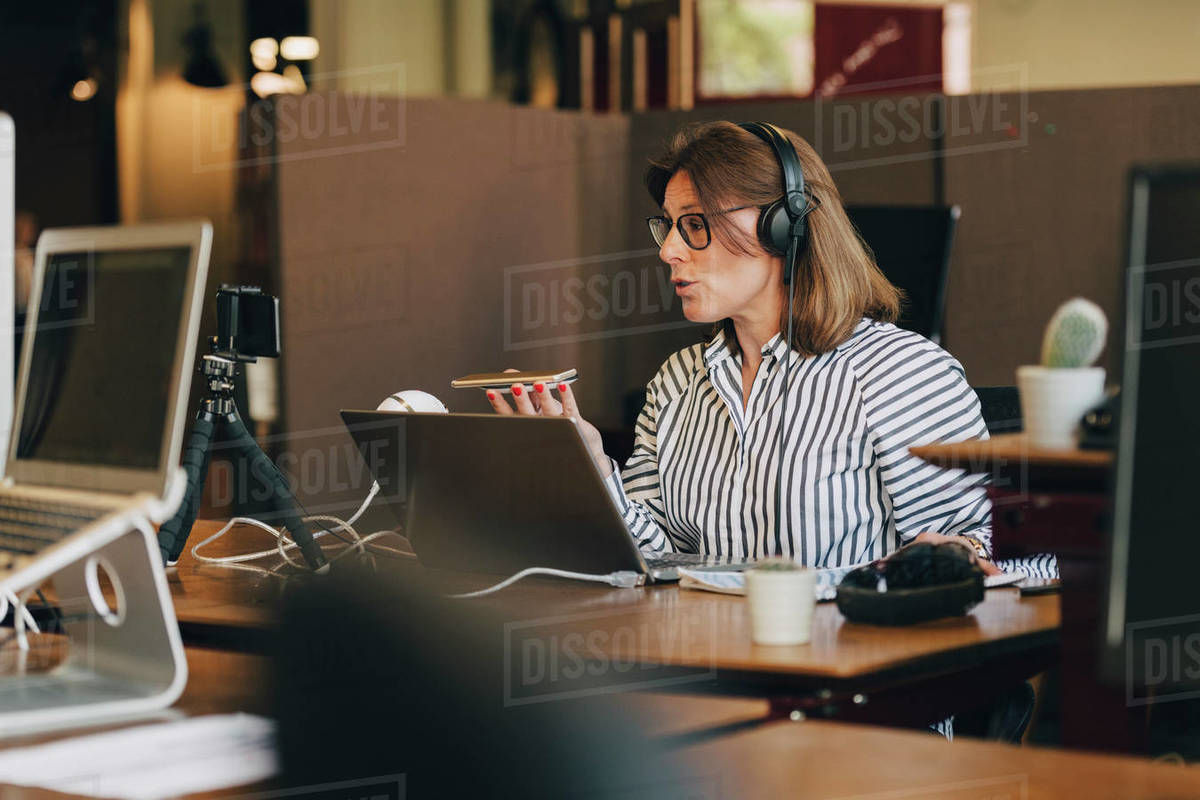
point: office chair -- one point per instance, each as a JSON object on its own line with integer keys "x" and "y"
{"x": 912, "y": 246}
{"x": 1001, "y": 408}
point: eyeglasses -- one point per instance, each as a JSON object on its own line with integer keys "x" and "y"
{"x": 692, "y": 227}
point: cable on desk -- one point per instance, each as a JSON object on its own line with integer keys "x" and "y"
{"x": 22, "y": 617}
{"x": 284, "y": 544}
{"x": 626, "y": 579}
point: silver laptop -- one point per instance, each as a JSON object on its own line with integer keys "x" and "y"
{"x": 493, "y": 494}
{"x": 108, "y": 354}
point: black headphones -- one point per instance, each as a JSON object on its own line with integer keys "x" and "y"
{"x": 781, "y": 227}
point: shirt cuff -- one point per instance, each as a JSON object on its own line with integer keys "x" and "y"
{"x": 616, "y": 488}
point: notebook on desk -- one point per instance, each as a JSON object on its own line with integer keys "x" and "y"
{"x": 492, "y": 494}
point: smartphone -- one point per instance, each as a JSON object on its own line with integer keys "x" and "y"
{"x": 503, "y": 381}
{"x": 1039, "y": 585}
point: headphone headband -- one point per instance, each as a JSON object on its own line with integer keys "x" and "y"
{"x": 781, "y": 227}
{"x": 789, "y": 164}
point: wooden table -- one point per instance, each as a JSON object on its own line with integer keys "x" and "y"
{"x": 811, "y": 759}
{"x": 1015, "y": 449}
{"x": 221, "y": 681}
{"x": 1058, "y": 501}
{"x": 904, "y": 676}
{"x": 823, "y": 759}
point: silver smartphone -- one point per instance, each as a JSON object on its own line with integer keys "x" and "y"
{"x": 503, "y": 381}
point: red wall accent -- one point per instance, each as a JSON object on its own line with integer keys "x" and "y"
{"x": 908, "y": 47}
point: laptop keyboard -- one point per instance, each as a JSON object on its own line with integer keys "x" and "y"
{"x": 28, "y": 525}
{"x": 667, "y": 560}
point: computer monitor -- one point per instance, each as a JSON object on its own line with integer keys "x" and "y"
{"x": 1152, "y": 611}
{"x": 7, "y": 279}
{"x": 912, "y": 246}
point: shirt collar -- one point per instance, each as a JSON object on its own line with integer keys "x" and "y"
{"x": 720, "y": 349}
{"x": 775, "y": 347}
{"x": 717, "y": 350}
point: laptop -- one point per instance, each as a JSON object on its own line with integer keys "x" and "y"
{"x": 106, "y": 367}
{"x": 493, "y": 494}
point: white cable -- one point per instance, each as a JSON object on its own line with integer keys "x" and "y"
{"x": 239, "y": 558}
{"x": 283, "y": 544}
{"x": 624, "y": 578}
{"x": 21, "y": 616}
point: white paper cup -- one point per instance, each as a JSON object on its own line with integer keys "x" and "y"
{"x": 1054, "y": 399}
{"x": 781, "y": 605}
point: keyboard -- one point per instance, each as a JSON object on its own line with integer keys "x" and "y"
{"x": 665, "y": 567}
{"x": 29, "y": 525}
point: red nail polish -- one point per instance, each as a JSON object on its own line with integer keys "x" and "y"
{"x": 539, "y": 387}
{"x": 562, "y": 387}
{"x": 517, "y": 391}
{"x": 491, "y": 395}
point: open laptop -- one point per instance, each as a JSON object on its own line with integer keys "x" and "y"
{"x": 485, "y": 493}
{"x": 102, "y": 393}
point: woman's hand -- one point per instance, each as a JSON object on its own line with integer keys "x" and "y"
{"x": 539, "y": 400}
{"x": 940, "y": 538}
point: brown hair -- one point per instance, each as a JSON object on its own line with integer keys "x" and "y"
{"x": 837, "y": 280}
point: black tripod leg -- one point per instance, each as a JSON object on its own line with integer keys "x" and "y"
{"x": 172, "y": 536}
{"x": 252, "y": 456}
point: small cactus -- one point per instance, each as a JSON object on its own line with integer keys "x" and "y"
{"x": 1075, "y": 334}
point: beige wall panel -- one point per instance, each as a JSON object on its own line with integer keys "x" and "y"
{"x": 1044, "y": 216}
{"x": 398, "y": 238}
{"x": 396, "y": 241}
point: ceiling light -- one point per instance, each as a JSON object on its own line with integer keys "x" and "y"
{"x": 84, "y": 90}
{"x": 291, "y": 73}
{"x": 266, "y": 84}
{"x": 263, "y": 52}
{"x": 299, "y": 48}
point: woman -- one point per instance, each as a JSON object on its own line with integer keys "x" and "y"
{"x": 861, "y": 391}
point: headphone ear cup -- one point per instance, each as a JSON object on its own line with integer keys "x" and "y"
{"x": 774, "y": 228}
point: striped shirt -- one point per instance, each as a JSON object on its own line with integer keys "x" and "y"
{"x": 702, "y": 475}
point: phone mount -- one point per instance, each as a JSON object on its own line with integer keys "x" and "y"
{"x": 219, "y": 410}
{"x": 125, "y": 658}
{"x": 247, "y": 329}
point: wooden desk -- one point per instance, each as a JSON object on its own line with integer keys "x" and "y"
{"x": 223, "y": 681}
{"x": 829, "y": 759}
{"x": 720, "y": 757}
{"x": 907, "y": 676}
{"x": 1058, "y": 501}
{"x": 1013, "y": 448}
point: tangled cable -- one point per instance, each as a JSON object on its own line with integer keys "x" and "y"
{"x": 284, "y": 544}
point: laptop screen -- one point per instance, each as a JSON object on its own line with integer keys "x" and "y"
{"x": 105, "y": 344}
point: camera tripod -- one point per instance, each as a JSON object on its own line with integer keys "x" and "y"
{"x": 219, "y": 410}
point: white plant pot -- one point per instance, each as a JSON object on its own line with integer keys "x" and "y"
{"x": 1054, "y": 399}
{"x": 781, "y": 605}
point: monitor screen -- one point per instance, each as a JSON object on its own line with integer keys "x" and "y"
{"x": 7, "y": 278}
{"x": 1153, "y": 618}
{"x": 912, "y": 246}
{"x": 103, "y": 353}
